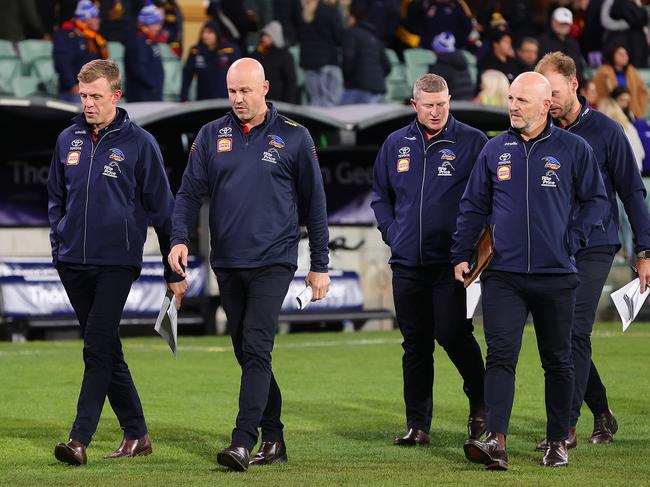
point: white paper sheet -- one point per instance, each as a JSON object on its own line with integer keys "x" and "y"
{"x": 473, "y": 293}
{"x": 628, "y": 301}
{"x": 304, "y": 298}
{"x": 167, "y": 321}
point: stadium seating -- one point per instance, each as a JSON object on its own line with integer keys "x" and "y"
{"x": 32, "y": 49}
{"x": 166, "y": 51}
{"x": 471, "y": 65}
{"x": 43, "y": 70}
{"x": 9, "y": 69}
{"x": 300, "y": 74}
{"x": 173, "y": 78}
{"x": 397, "y": 89}
{"x": 7, "y": 49}
{"x": 644, "y": 73}
{"x": 417, "y": 63}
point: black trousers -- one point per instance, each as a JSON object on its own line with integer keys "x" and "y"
{"x": 98, "y": 295}
{"x": 593, "y": 268}
{"x": 252, "y": 299}
{"x": 431, "y": 306}
{"x": 507, "y": 299}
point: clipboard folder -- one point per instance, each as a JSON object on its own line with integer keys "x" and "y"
{"x": 483, "y": 252}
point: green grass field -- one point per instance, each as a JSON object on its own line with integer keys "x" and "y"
{"x": 342, "y": 408}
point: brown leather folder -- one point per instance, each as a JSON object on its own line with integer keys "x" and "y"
{"x": 483, "y": 252}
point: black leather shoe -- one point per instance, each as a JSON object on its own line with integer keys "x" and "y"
{"x": 270, "y": 452}
{"x": 487, "y": 452}
{"x": 571, "y": 441}
{"x": 413, "y": 437}
{"x": 234, "y": 457}
{"x": 556, "y": 454}
{"x": 73, "y": 453}
{"x": 476, "y": 427}
{"x": 605, "y": 427}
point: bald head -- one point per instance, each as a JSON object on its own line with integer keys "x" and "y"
{"x": 529, "y": 100}
{"x": 247, "y": 89}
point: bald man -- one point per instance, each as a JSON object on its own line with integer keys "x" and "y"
{"x": 540, "y": 190}
{"x": 260, "y": 172}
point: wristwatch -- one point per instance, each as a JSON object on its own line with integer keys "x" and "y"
{"x": 644, "y": 254}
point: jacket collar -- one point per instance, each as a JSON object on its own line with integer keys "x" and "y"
{"x": 120, "y": 121}
{"x": 269, "y": 117}
{"x": 448, "y": 132}
{"x": 585, "y": 112}
{"x": 548, "y": 130}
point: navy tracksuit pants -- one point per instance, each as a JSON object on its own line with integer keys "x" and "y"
{"x": 252, "y": 299}
{"x": 98, "y": 295}
{"x": 507, "y": 299}
{"x": 431, "y": 306}
{"x": 593, "y": 268}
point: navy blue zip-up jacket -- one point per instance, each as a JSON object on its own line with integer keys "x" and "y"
{"x": 620, "y": 175}
{"x": 417, "y": 186}
{"x": 102, "y": 195}
{"x": 259, "y": 184}
{"x": 529, "y": 191}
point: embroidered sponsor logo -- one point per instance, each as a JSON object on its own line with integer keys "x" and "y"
{"x": 403, "y": 164}
{"x": 272, "y": 155}
{"x": 224, "y": 145}
{"x": 276, "y": 141}
{"x": 447, "y": 155}
{"x": 503, "y": 173}
{"x": 77, "y": 143}
{"x": 410, "y": 138}
{"x": 110, "y": 170}
{"x": 79, "y": 132}
{"x": 404, "y": 151}
{"x": 510, "y": 143}
{"x": 225, "y": 132}
{"x": 550, "y": 179}
{"x": 72, "y": 159}
{"x": 504, "y": 158}
{"x": 446, "y": 169}
{"x": 116, "y": 155}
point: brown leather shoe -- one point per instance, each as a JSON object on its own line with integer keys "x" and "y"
{"x": 487, "y": 452}
{"x": 270, "y": 452}
{"x": 234, "y": 457}
{"x": 571, "y": 441}
{"x": 73, "y": 453}
{"x": 476, "y": 427}
{"x": 556, "y": 454}
{"x": 413, "y": 437}
{"x": 138, "y": 447}
{"x": 605, "y": 427}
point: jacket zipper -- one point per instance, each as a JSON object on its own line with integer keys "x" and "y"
{"x": 424, "y": 175}
{"x": 527, "y": 186}
{"x": 90, "y": 169}
{"x": 126, "y": 227}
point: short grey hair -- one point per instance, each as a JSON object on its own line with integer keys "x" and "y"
{"x": 429, "y": 83}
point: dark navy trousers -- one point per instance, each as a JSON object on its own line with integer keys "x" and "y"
{"x": 252, "y": 299}
{"x": 593, "y": 268}
{"x": 507, "y": 299}
{"x": 430, "y": 305}
{"x": 98, "y": 295}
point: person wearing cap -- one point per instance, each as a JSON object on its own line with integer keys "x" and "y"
{"x": 208, "y": 63}
{"x": 501, "y": 56}
{"x": 452, "y": 66}
{"x": 144, "y": 73}
{"x": 278, "y": 64}
{"x": 365, "y": 64}
{"x": 74, "y": 44}
{"x": 419, "y": 176}
{"x": 557, "y": 38}
{"x": 594, "y": 259}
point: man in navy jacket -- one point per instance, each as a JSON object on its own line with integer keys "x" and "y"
{"x": 542, "y": 192}
{"x": 621, "y": 176}
{"x": 106, "y": 181}
{"x": 419, "y": 176}
{"x": 261, "y": 173}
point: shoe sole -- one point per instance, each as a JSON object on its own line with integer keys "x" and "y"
{"x": 556, "y": 465}
{"x": 230, "y": 462}
{"x": 277, "y": 460}
{"x": 63, "y": 455}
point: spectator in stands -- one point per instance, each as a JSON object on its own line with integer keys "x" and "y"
{"x": 77, "y": 42}
{"x": 19, "y": 20}
{"x": 118, "y": 18}
{"x": 143, "y": 65}
{"x": 588, "y": 90}
{"x": 557, "y": 39}
{"x": 172, "y": 27}
{"x": 235, "y": 21}
{"x": 621, "y": 95}
{"x": 438, "y": 16}
{"x": 385, "y": 16}
{"x": 320, "y": 35}
{"x": 208, "y": 62}
{"x": 516, "y": 13}
{"x": 617, "y": 70}
{"x": 278, "y": 64}
{"x": 591, "y": 41}
{"x": 289, "y": 14}
{"x": 53, "y": 13}
{"x": 501, "y": 56}
{"x": 365, "y": 64}
{"x": 625, "y": 22}
{"x": 493, "y": 89}
{"x": 452, "y": 66}
{"x": 527, "y": 53}
{"x": 612, "y": 109}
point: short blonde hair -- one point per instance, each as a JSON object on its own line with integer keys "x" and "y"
{"x": 558, "y": 61}
{"x": 101, "y": 68}
{"x": 429, "y": 83}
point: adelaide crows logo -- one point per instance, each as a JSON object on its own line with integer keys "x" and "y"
{"x": 551, "y": 163}
{"x": 276, "y": 141}
{"x": 447, "y": 155}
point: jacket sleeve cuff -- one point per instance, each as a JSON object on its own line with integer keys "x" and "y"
{"x": 171, "y": 276}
